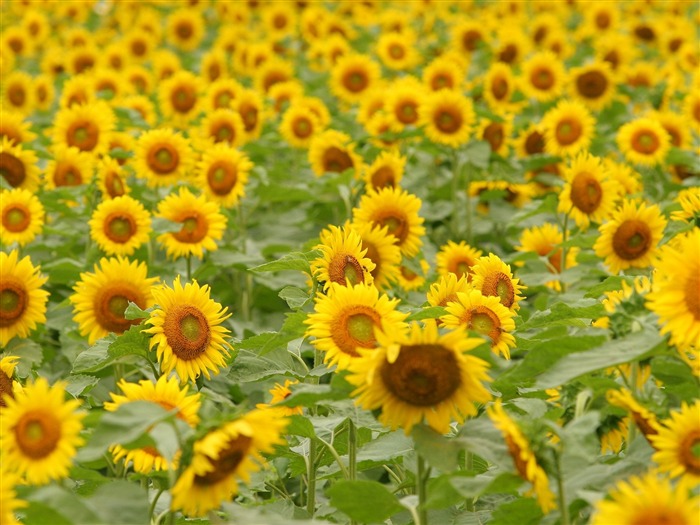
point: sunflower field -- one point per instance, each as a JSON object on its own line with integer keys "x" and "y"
{"x": 401, "y": 262}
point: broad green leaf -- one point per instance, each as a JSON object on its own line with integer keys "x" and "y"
{"x": 300, "y": 426}
{"x": 364, "y": 501}
{"x": 249, "y": 367}
{"x": 134, "y": 312}
{"x": 57, "y": 505}
{"x": 439, "y": 451}
{"x": 295, "y": 297}
{"x": 523, "y": 511}
{"x": 487, "y": 483}
{"x": 441, "y": 494}
{"x": 562, "y": 313}
{"x": 292, "y": 261}
{"x": 384, "y": 448}
{"x": 308, "y": 395}
{"x": 478, "y": 153}
{"x": 431, "y": 312}
{"x": 78, "y": 384}
{"x": 109, "y": 349}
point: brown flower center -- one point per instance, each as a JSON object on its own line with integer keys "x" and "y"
{"x": 5, "y": 388}
{"x": 163, "y": 159}
{"x": 422, "y": 375}
{"x": 568, "y": 131}
{"x": 227, "y": 462}
{"x": 448, "y": 120}
{"x": 336, "y": 160}
{"x": 222, "y": 132}
{"x": 645, "y": 141}
{"x": 37, "y": 433}
{"x": 689, "y": 452}
{"x": 355, "y": 327}
{"x": 355, "y": 80}
{"x": 645, "y": 33}
{"x": 345, "y": 270}
{"x": 470, "y": 39}
{"x": 632, "y": 239}
{"x": 222, "y": 176}
{"x": 508, "y": 54}
{"x": 114, "y": 184}
{"x": 194, "y": 228}
{"x": 17, "y": 95}
{"x": 187, "y": 332}
{"x": 407, "y": 111}
{"x": 13, "y": 302}
{"x": 83, "y": 134}
{"x": 534, "y": 143}
{"x": 659, "y": 515}
{"x": 119, "y": 227}
{"x": 67, "y": 174}
{"x": 110, "y": 303}
{"x": 383, "y": 177}
{"x": 16, "y": 217}
{"x": 462, "y": 267}
{"x": 602, "y": 20}
{"x": 184, "y": 30}
{"x": 542, "y": 78}
{"x": 499, "y": 284}
{"x": 514, "y": 450}
{"x": 302, "y": 127}
{"x": 499, "y": 88}
{"x": 440, "y": 81}
{"x": 396, "y": 224}
{"x": 183, "y": 98}
{"x": 223, "y": 99}
{"x": 591, "y": 84}
{"x": 249, "y": 114}
{"x": 493, "y": 134}
{"x": 397, "y": 51}
{"x": 483, "y": 320}
{"x": 373, "y": 255}
{"x": 586, "y": 192}
{"x": 138, "y": 48}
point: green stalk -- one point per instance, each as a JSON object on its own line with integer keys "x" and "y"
{"x": 152, "y": 508}
{"x": 469, "y": 466}
{"x": 421, "y": 487}
{"x": 311, "y": 476}
{"x": 352, "y": 450}
{"x": 563, "y": 508}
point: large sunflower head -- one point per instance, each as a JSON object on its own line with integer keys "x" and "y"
{"x": 443, "y": 73}
{"x": 344, "y": 260}
{"x": 187, "y": 330}
{"x": 499, "y": 86}
{"x": 386, "y": 170}
{"x": 568, "y": 128}
{"x": 223, "y": 173}
{"x": 631, "y": 236}
{"x": 86, "y": 127}
{"x": 347, "y": 319}
{"x": 180, "y": 97}
{"x": 457, "y": 259}
{"x": 185, "y": 28}
{"x": 382, "y": 251}
{"x": 202, "y": 224}
{"x": 69, "y": 167}
{"x": 101, "y": 296}
{"x": 166, "y": 393}
{"x": 403, "y": 101}
{"x": 41, "y": 432}
{"x": 333, "y": 151}
{"x": 22, "y": 301}
{"x": 542, "y": 76}
{"x": 120, "y": 225}
{"x": 18, "y": 166}
{"x": 421, "y": 376}
{"x": 352, "y": 76}
{"x": 163, "y": 157}
{"x": 299, "y": 126}
{"x": 397, "y": 210}
{"x": 447, "y": 117}
{"x": 483, "y": 314}
{"x": 21, "y": 217}
{"x": 225, "y": 455}
{"x": 492, "y": 277}
{"x": 677, "y": 442}
{"x": 397, "y": 51}
{"x": 593, "y": 85}
{"x": 644, "y": 141}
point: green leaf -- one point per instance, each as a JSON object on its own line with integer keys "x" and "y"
{"x": 120, "y": 502}
{"x": 297, "y": 261}
{"x": 441, "y": 494}
{"x": 134, "y": 312}
{"x": 524, "y": 511}
{"x": 308, "y": 395}
{"x": 295, "y": 297}
{"x": 109, "y": 349}
{"x": 364, "y": 501}
{"x": 63, "y": 271}
{"x": 562, "y": 313}
{"x": 439, "y": 451}
{"x": 78, "y": 384}
{"x": 631, "y": 348}
{"x": 300, "y": 426}
{"x": 383, "y": 449}
{"x": 432, "y": 312}
{"x": 478, "y": 153}
{"x": 249, "y": 367}
{"x": 58, "y": 506}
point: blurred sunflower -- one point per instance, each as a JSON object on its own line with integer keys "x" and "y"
{"x": 497, "y": 133}
{"x": 44, "y": 92}
{"x": 333, "y": 151}
{"x": 403, "y": 100}
{"x": 18, "y": 166}
{"x": 40, "y": 432}
{"x": 421, "y": 376}
{"x": 530, "y": 141}
{"x": 492, "y": 277}
{"x": 613, "y": 433}
{"x": 271, "y": 73}
{"x": 8, "y": 386}
{"x": 317, "y": 107}
{"x": 166, "y": 393}
{"x": 545, "y": 241}
{"x": 120, "y": 225}
{"x": 592, "y": 84}
{"x": 691, "y": 109}
{"x": 102, "y": 296}
{"x": 676, "y": 289}
{"x": 15, "y": 127}
{"x": 445, "y": 289}
{"x": 447, "y": 117}
{"x": 457, "y": 259}
{"x": 468, "y": 35}
{"x": 568, "y": 128}
{"x": 21, "y": 217}
{"x": 144, "y": 108}
{"x": 180, "y": 98}
{"x": 676, "y": 127}
{"x": 352, "y": 76}
{"x": 111, "y": 179}
{"x": 68, "y": 167}
{"x": 523, "y": 457}
{"x": 649, "y": 498}
{"x": 410, "y": 279}
{"x": 187, "y": 330}
{"x": 644, "y": 141}
{"x": 202, "y": 224}
{"x": 498, "y": 86}
{"x": 372, "y": 103}
{"x": 386, "y": 171}
{"x": 9, "y": 502}
{"x": 280, "y": 20}
{"x": 382, "y": 251}
{"x": 223, "y": 174}
{"x": 343, "y": 261}
{"x": 214, "y": 65}
{"x": 224, "y": 455}
{"x": 689, "y": 201}
{"x": 397, "y": 51}
{"x": 163, "y": 157}
{"x": 644, "y": 419}
{"x": 185, "y": 28}
{"x": 22, "y": 301}
{"x": 631, "y": 236}
{"x": 676, "y": 443}
{"x": 347, "y": 319}
{"x": 280, "y": 393}
{"x": 298, "y": 126}
{"x": 140, "y": 78}
{"x": 220, "y": 126}
{"x": 398, "y": 211}
{"x": 86, "y": 127}
{"x": 443, "y": 73}
{"x": 249, "y": 105}
{"x": 282, "y": 94}
{"x": 110, "y": 85}
{"x": 589, "y": 194}
{"x": 222, "y": 93}
{"x": 17, "y": 92}
{"x": 381, "y": 127}
{"x": 542, "y": 76}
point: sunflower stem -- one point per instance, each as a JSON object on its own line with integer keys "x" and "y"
{"x": 469, "y": 466}
{"x": 352, "y": 450}
{"x": 421, "y": 487}
{"x": 189, "y": 267}
{"x": 311, "y": 478}
{"x": 152, "y": 507}
{"x": 563, "y": 508}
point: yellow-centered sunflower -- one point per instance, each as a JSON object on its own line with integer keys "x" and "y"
{"x": 675, "y": 293}
{"x": 593, "y": 85}
{"x": 333, "y": 151}
{"x": 568, "y": 128}
{"x": 86, "y": 127}
{"x": 644, "y": 141}
{"x": 445, "y": 290}
{"x": 298, "y": 126}
{"x": 485, "y": 315}
{"x": 347, "y": 319}
{"x": 398, "y": 211}
{"x": 631, "y": 236}
{"x": 180, "y": 98}
{"x": 457, "y": 259}
{"x": 344, "y": 261}
{"x": 225, "y": 455}
{"x": 120, "y": 225}
{"x": 223, "y": 173}
{"x": 163, "y": 157}
{"x": 589, "y": 194}
{"x": 202, "y": 224}
{"x": 523, "y": 457}
{"x": 21, "y": 216}
{"x": 166, "y": 393}
{"x": 542, "y": 77}
{"x": 40, "y": 432}
{"x": 18, "y": 166}
{"x": 382, "y": 251}
{"x": 22, "y": 301}
{"x": 677, "y": 441}
{"x": 221, "y": 126}
{"x": 187, "y": 330}
{"x": 447, "y": 117}
{"x": 492, "y": 277}
{"x": 185, "y": 28}
{"x": 421, "y": 376}
{"x": 352, "y": 76}
{"x": 101, "y": 296}
{"x": 649, "y": 498}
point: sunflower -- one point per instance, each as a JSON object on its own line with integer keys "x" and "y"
{"x": 568, "y": 128}
{"x": 228, "y": 453}
{"x": 447, "y": 117}
{"x": 214, "y": 65}
{"x": 468, "y": 35}
{"x": 249, "y": 105}
{"x": 397, "y": 51}
{"x": 614, "y": 433}
{"x": 689, "y": 201}
{"x": 15, "y": 127}
{"x": 202, "y": 224}
{"x": 143, "y": 107}
{"x": 676, "y": 289}
{"x": 642, "y": 417}
{"x": 282, "y": 94}
{"x": 457, "y": 259}
{"x": 649, "y": 498}
{"x": 523, "y": 457}
{"x": 676, "y": 127}
{"x": 381, "y": 127}
{"x": 644, "y": 141}
{"x": 676, "y": 441}
{"x": 631, "y": 236}
{"x": 546, "y": 241}
{"x": 220, "y": 126}
{"x": 629, "y": 182}
{"x": 8, "y": 497}
{"x": 111, "y": 179}
{"x": 86, "y": 127}
{"x": 420, "y": 376}
{"x": 17, "y": 93}
{"x": 492, "y": 277}
{"x": 542, "y": 77}
{"x": 223, "y": 173}
{"x": 691, "y": 109}
{"x": 280, "y": 20}
{"x": 600, "y": 19}
{"x": 485, "y": 315}
{"x": 166, "y": 393}
{"x": 499, "y": 86}
{"x": 280, "y": 393}
{"x": 165, "y": 63}
{"x": 101, "y": 296}
{"x": 443, "y": 73}
{"x": 317, "y": 107}
{"x": 497, "y": 133}
{"x": 398, "y": 211}
{"x": 592, "y": 85}
{"x": 372, "y": 103}
{"x": 21, "y": 217}
{"x": 120, "y": 225}
{"x": 413, "y": 280}
{"x": 185, "y": 28}
{"x": 352, "y": 76}
{"x": 22, "y": 301}
{"x": 589, "y": 194}
{"x": 8, "y": 386}
{"x": 44, "y": 92}
{"x": 40, "y": 432}
{"x": 386, "y": 171}
{"x": 343, "y": 261}
{"x": 382, "y": 251}
{"x": 298, "y": 126}
{"x": 445, "y": 289}
{"x": 180, "y": 97}
{"x": 333, "y": 151}
{"x": 402, "y": 102}
{"x": 272, "y": 72}
{"x": 347, "y": 319}
{"x": 110, "y": 85}
{"x": 222, "y": 93}
{"x": 163, "y": 157}
{"x": 18, "y": 166}
{"x": 140, "y": 78}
